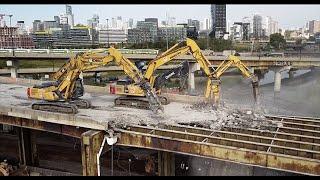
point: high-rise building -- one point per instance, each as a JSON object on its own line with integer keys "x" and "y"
{"x": 37, "y": 25}
{"x": 2, "y": 21}
{"x": 113, "y": 23}
{"x": 218, "y": 16}
{"x": 10, "y": 38}
{"x": 173, "y": 33}
{"x": 236, "y": 31}
{"x": 194, "y": 23}
{"x": 171, "y": 21}
{"x": 245, "y": 31}
{"x": 57, "y": 19}
{"x": 68, "y": 9}
{"x": 130, "y": 23}
{"x": 314, "y": 26}
{"x": 273, "y": 27}
{"x": 94, "y": 21}
{"x": 112, "y": 36}
{"x": 144, "y": 32}
{"x": 163, "y": 23}
{"x": 68, "y": 17}
{"x": 21, "y": 28}
{"x": 47, "y": 25}
{"x": 154, "y": 20}
{"x": 257, "y": 26}
{"x": 120, "y": 24}
{"x": 207, "y": 24}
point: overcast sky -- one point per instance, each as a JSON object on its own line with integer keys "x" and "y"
{"x": 288, "y": 16}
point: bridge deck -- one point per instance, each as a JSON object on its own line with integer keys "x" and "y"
{"x": 250, "y": 61}
{"x": 292, "y": 146}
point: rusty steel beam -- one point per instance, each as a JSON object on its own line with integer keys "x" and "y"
{"x": 226, "y": 153}
{"x": 43, "y": 126}
{"x": 90, "y": 144}
{"x": 286, "y": 148}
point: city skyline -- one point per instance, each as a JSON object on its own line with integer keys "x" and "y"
{"x": 287, "y": 20}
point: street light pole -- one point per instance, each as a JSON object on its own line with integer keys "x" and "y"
{"x": 108, "y": 31}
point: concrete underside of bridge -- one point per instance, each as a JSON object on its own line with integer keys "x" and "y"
{"x": 293, "y": 146}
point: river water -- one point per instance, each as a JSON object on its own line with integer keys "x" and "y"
{"x": 299, "y": 96}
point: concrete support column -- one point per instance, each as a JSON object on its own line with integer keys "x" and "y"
{"x": 277, "y": 81}
{"x": 251, "y": 70}
{"x": 277, "y": 77}
{"x": 13, "y": 64}
{"x": 166, "y": 163}
{"x": 193, "y": 67}
{"x": 90, "y": 145}
{"x": 291, "y": 74}
{"x": 97, "y": 77}
{"x": 28, "y": 153}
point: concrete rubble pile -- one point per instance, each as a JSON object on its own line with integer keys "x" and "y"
{"x": 203, "y": 115}
{"x": 225, "y": 116}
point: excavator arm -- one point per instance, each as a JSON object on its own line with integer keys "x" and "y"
{"x": 69, "y": 87}
{"x": 235, "y": 61}
{"x": 182, "y": 48}
{"x": 133, "y": 72}
{"x": 213, "y": 83}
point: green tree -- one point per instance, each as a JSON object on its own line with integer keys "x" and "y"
{"x": 277, "y": 41}
{"x": 220, "y": 44}
{"x": 202, "y": 43}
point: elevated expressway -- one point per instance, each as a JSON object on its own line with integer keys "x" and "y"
{"x": 276, "y": 64}
{"x": 251, "y": 61}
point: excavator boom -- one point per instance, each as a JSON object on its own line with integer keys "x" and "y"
{"x": 213, "y": 84}
{"x": 69, "y": 86}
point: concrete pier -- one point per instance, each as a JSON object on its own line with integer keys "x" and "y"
{"x": 193, "y": 67}
{"x": 13, "y": 64}
{"x": 277, "y": 77}
{"x": 291, "y": 74}
{"x": 277, "y": 81}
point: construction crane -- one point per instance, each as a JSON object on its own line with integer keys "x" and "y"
{"x": 212, "y": 92}
{"x": 63, "y": 95}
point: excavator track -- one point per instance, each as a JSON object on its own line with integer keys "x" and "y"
{"x": 58, "y": 107}
{"x": 81, "y": 103}
{"x": 139, "y": 103}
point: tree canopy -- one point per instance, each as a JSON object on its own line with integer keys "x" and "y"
{"x": 277, "y": 41}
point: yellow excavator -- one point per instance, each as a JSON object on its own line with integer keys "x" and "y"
{"x": 63, "y": 95}
{"x": 212, "y": 93}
